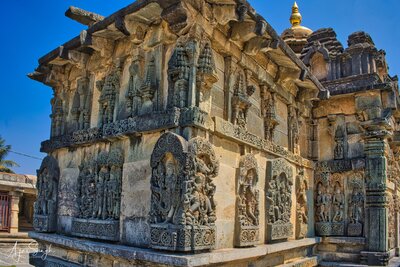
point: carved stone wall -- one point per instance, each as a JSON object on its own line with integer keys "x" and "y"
{"x": 279, "y": 187}
{"x": 247, "y": 203}
{"x": 99, "y": 187}
{"x": 45, "y": 207}
{"x": 182, "y": 214}
{"x": 302, "y": 205}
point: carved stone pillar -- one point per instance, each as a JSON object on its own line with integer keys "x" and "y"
{"x": 15, "y": 198}
{"x": 376, "y": 199}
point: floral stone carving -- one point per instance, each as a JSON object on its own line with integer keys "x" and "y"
{"x": 301, "y": 210}
{"x": 45, "y": 207}
{"x": 182, "y": 214}
{"x": 247, "y": 203}
{"x": 279, "y": 200}
{"x": 329, "y": 205}
{"x": 100, "y": 197}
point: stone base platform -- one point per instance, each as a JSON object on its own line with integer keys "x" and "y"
{"x": 341, "y": 249}
{"x": 96, "y": 229}
{"x": 70, "y": 250}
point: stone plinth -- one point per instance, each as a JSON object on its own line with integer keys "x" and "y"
{"x": 45, "y": 223}
{"x": 248, "y": 236}
{"x": 329, "y": 229}
{"x": 182, "y": 238}
{"x": 96, "y": 229}
{"x": 279, "y": 232}
{"x": 354, "y": 229}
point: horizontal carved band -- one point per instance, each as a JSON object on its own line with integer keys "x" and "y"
{"x": 329, "y": 229}
{"x": 279, "y": 231}
{"x": 96, "y": 229}
{"x": 248, "y": 236}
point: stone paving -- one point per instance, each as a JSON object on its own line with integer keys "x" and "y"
{"x": 16, "y": 255}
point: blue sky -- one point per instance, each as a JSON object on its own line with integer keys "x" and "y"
{"x": 33, "y": 28}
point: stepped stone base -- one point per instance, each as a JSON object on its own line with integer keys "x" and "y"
{"x": 341, "y": 249}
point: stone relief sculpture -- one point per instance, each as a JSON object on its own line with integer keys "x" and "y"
{"x": 109, "y": 88}
{"x": 247, "y": 203}
{"x": 57, "y": 117}
{"x": 45, "y": 207}
{"x": 240, "y": 100}
{"x": 269, "y": 114}
{"x": 279, "y": 200}
{"x": 339, "y": 140}
{"x": 293, "y": 121}
{"x": 301, "y": 209}
{"x": 329, "y": 205}
{"x": 182, "y": 215}
{"x": 392, "y": 220}
{"x": 206, "y": 74}
{"x": 356, "y": 205}
{"x": 179, "y": 74}
{"x": 81, "y": 106}
{"x": 99, "y": 196}
{"x": 135, "y": 81}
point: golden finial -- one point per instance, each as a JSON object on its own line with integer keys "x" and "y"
{"x": 295, "y": 18}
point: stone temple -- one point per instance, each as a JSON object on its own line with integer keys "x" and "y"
{"x": 189, "y": 133}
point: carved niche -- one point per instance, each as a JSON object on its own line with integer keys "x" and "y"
{"x": 45, "y": 207}
{"x": 143, "y": 94}
{"x": 109, "y": 89}
{"x": 182, "y": 214}
{"x": 206, "y": 76}
{"x": 241, "y": 99}
{"x": 100, "y": 187}
{"x": 179, "y": 73}
{"x": 57, "y": 116}
{"x": 356, "y": 200}
{"x": 279, "y": 200}
{"x": 269, "y": 113}
{"x": 302, "y": 208}
{"x": 247, "y": 202}
{"x": 293, "y": 121}
{"x": 81, "y": 106}
{"x": 340, "y": 136}
{"x": 329, "y": 204}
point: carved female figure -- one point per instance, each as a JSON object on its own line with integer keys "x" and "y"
{"x": 356, "y": 205}
{"x": 103, "y": 176}
{"x": 169, "y": 201}
{"x": 320, "y": 203}
{"x": 338, "y": 202}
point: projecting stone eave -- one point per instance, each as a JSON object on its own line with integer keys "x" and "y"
{"x": 115, "y": 27}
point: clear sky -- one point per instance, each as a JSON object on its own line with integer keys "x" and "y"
{"x": 30, "y": 29}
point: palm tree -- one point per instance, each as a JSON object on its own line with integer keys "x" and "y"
{"x": 5, "y": 165}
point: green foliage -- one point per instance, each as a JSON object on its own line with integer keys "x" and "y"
{"x": 5, "y": 165}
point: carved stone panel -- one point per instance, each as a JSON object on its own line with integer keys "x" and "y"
{"x": 182, "y": 214}
{"x": 45, "y": 207}
{"x": 356, "y": 201}
{"x": 279, "y": 200}
{"x": 247, "y": 202}
{"x": 99, "y": 196}
{"x": 329, "y": 205}
{"x": 241, "y": 99}
{"x": 302, "y": 208}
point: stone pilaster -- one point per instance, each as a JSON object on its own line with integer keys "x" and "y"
{"x": 15, "y": 197}
{"x": 376, "y": 199}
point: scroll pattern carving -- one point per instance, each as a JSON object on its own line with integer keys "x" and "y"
{"x": 45, "y": 207}
{"x": 182, "y": 214}
{"x": 247, "y": 202}
{"x": 279, "y": 200}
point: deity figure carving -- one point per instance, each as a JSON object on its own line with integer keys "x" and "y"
{"x": 100, "y": 188}
{"x": 206, "y": 74}
{"x": 339, "y": 139}
{"x": 109, "y": 88}
{"x": 329, "y": 205}
{"x": 81, "y": 105}
{"x": 247, "y": 202}
{"x": 57, "y": 117}
{"x": 356, "y": 205}
{"x": 179, "y": 75}
{"x": 182, "y": 199}
{"x": 279, "y": 200}
{"x": 302, "y": 209}
{"x": 269, "y": 114}
{"x": 45, "y": 207}
{"x": 135, "y": 81}
{"x": 241, "y": 99}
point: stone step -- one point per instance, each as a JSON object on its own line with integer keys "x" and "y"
{"x": 309, "y": 262}
{"x": 339, "y": 257}
{"x": 339, "y": 264}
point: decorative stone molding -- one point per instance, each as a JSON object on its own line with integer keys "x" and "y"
{"x": 100, "y": 187}
{"x": 45, "y": 207}
{"x": 247, "y": 202}
{"x": 279, "y": 183}
{"x": 182, "y": 214}
{"x": 302, "y": 205}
